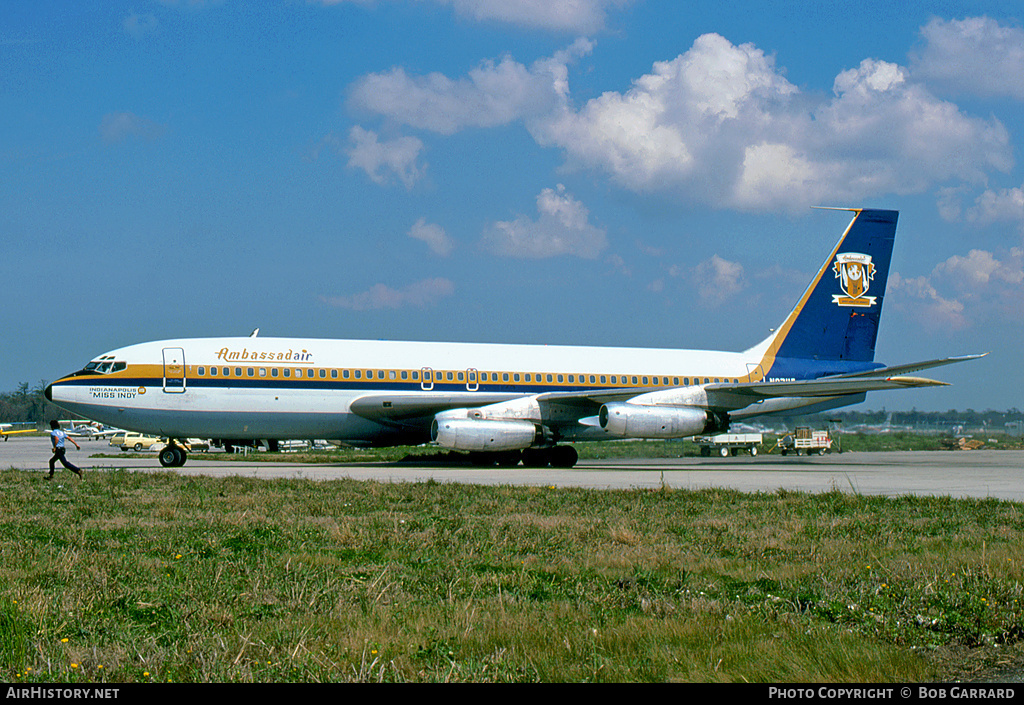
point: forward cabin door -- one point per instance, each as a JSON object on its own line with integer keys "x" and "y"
{"x": 174, "y": 370}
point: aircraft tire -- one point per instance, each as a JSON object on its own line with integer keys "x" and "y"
{"x": 536, "y": 457}
{"x": 172, "y": 457}
{"x": 564, "y": 457}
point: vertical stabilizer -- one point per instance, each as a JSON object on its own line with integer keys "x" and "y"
{"x": 837, "y": 317}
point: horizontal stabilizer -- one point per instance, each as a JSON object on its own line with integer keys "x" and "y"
{"x": 911, "y": 367}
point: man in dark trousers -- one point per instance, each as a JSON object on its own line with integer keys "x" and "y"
{"x": 58, "y": 436}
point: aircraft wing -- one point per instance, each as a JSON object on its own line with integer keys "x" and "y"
{"x": 5, "y": 432}
{"x": 403, "y": 409}
{"x": 568, "y": 407}
{"x": 419, "y": 408}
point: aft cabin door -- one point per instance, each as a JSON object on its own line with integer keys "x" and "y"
{"x": 174, "y": 370}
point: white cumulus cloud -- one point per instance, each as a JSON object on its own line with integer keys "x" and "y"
{"x": 421, "y": 294}
{"x": 964, "y": 290}
{"x": 583, "y": 16}
{"x": 434, "y": 235}
{"x": 383, "y": 161}
{"x": 122, "y": 127}
{"x": 494, "y": 93}
{"x": 973, "y": 56}
{"x": 562, "y": 227}
{"x": 720, "y": 124}
{"x": 718, "y": 279}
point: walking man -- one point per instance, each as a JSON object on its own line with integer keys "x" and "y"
{"x": 58, "y": 436}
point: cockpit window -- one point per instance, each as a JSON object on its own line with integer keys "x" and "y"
{"x": 105, "y": 367}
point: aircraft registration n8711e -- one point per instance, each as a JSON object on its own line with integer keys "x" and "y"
{"x": 506, "y": 403}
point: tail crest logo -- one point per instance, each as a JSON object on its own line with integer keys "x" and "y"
{"x": 855, "y": 273}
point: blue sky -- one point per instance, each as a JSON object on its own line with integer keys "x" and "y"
{"x": 598, "y": 172}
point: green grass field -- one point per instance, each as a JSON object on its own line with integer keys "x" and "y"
{"x": 130, "y": 577}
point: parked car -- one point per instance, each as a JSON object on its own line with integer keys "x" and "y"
{"x": 129, "y": 440}
{"x": 195, "y": 444}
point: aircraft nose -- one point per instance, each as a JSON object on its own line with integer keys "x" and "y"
{"x": 48, "y": 392}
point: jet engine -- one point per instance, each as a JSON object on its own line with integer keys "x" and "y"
{"x": 474, "y": 434}
{"x": 627, "y": 420}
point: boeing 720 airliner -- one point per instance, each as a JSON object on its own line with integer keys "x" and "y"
{"x": 506, "y": 403}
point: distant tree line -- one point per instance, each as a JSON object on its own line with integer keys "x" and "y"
{"x": 28, "y": 404}
{"x": 995, "y": 420}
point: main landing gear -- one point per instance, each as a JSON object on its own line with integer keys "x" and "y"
{"x": 172, "y": 456}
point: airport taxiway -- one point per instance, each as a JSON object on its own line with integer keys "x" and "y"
{"x": 983, "y": 473}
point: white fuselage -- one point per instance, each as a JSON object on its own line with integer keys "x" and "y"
{"x": 240, "y": 388}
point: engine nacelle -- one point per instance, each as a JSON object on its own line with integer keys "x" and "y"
{"x": 485, "y": 434}
{"x": 626, "y": 420}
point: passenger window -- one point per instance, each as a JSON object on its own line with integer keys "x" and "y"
{"x": 334, "y": 374}
{"x": 238, "y": 372}
{"x": 358, "y": 374}
{"x": 263, "y": 372}
{"x": 202, "y": 371}
{"x": 287, "y": 372}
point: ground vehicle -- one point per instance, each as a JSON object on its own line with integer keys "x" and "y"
{"x": 807, "y": 440}
{"x": 129, "y": 440}
{"x": 726, "y": 444}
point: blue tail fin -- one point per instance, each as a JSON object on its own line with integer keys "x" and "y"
{"x": 836, "y": 319}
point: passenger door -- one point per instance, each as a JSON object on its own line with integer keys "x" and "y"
{"x": 174, "y": 370}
